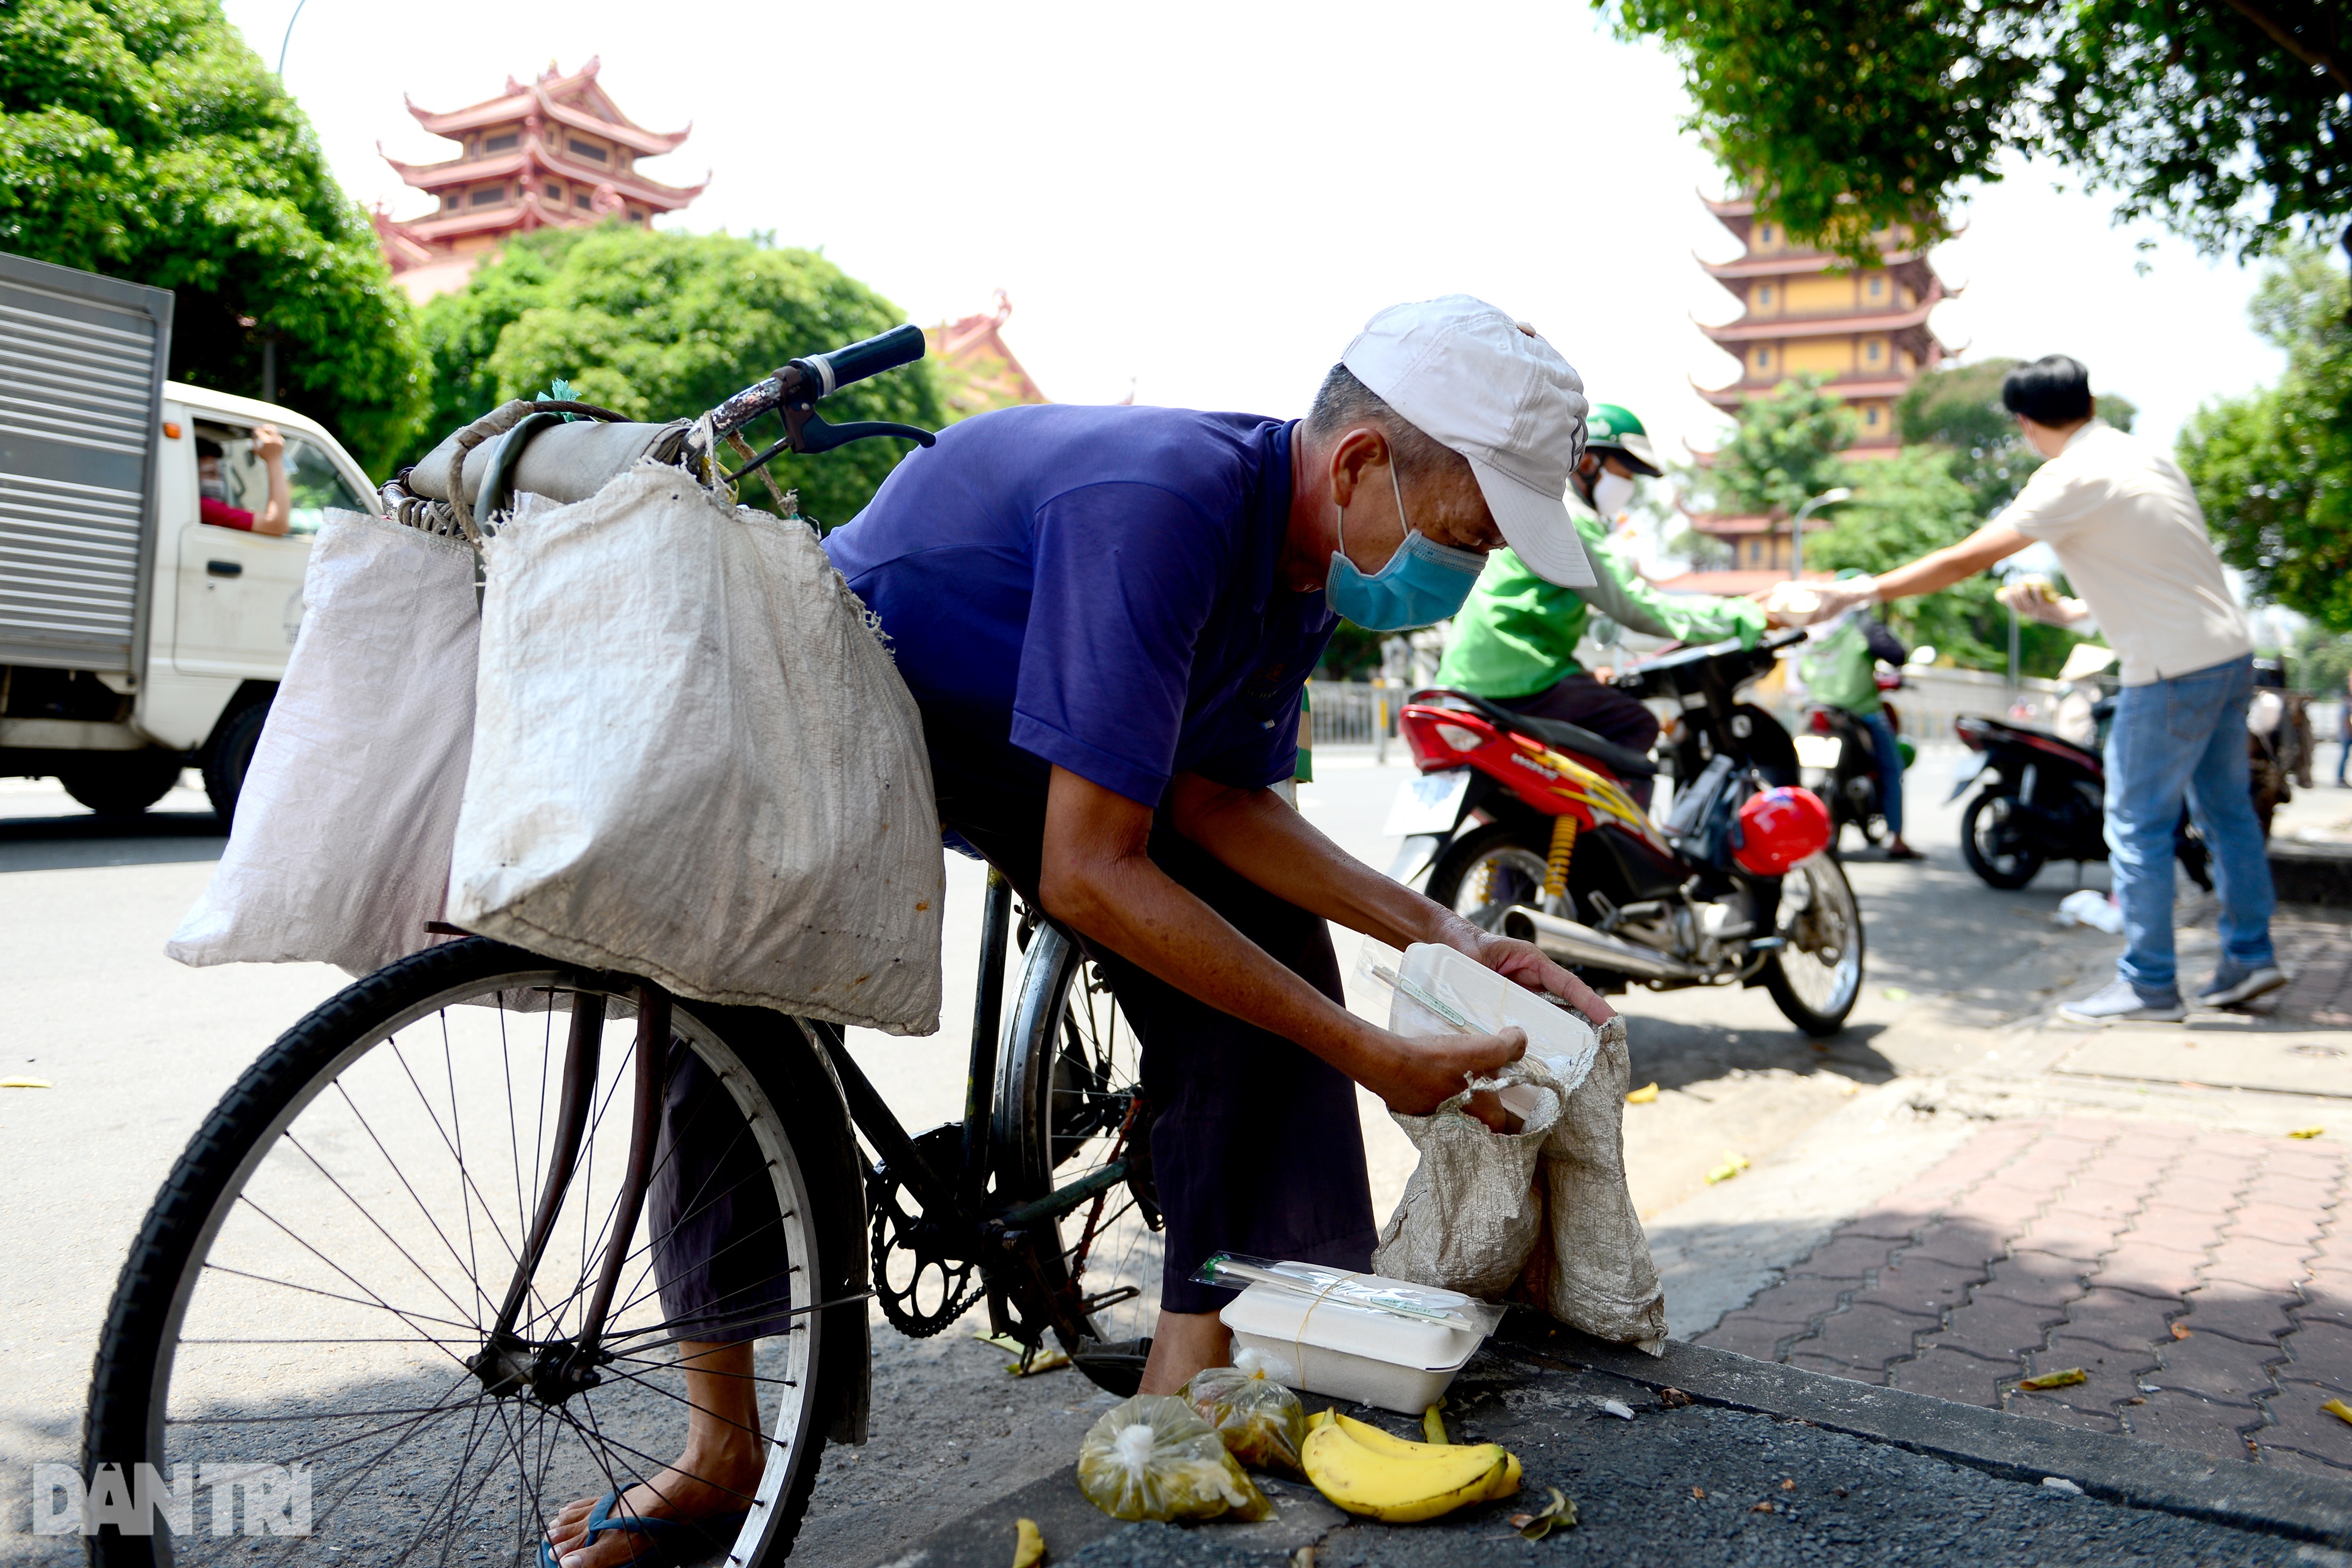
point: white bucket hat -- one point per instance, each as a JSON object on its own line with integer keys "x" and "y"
{"x": 1476, "y": 379}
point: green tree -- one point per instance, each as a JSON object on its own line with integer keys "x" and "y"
{"x": 1958, "y": 408}
{"x": 2229, "y": 121}
{"x": 143, "y": 139}
{"x": 662, "y": 326}
{"x": 1906, "y": 505}
{"x": 1783, "y": 452}
{"x": 2275, "y": 469}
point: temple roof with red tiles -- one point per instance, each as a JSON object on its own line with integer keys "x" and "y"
{"x": 577, "y": 100}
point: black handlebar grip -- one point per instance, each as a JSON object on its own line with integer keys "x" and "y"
{"x": 884, "y": 352}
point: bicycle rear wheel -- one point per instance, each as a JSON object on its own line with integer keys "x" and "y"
{"x": 1068, "y": 1103}
{"x": 316, "y": 1281}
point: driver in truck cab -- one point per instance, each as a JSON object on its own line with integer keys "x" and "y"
{"x": 276, "y": 514}
{"x": 1106, "y": 616}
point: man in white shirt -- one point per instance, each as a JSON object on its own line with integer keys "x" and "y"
{"x": 2128, "y": 528}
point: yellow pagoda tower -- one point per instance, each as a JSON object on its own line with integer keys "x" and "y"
{"x": 556, "y": 151}
{"x": 1804, "y": 312}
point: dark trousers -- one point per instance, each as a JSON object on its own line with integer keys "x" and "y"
{"x": 1610, "y": 714}
{"x": 1256, "y": 1148}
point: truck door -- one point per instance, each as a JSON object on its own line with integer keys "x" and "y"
{"x": 240, "y": 593}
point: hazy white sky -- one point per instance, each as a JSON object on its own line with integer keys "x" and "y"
{"x": 1207, "y": 202}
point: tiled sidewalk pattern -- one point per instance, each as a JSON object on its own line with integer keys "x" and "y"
{"x": 2203, "y": 1281}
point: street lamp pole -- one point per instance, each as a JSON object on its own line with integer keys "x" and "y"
{"x": 1829, "y": 497}
{"x": 289, "y": 39}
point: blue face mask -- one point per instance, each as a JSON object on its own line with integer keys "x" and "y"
{"x": 1422, "y": 583}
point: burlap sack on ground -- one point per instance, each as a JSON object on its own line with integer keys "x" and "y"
{"x": 1474, "y": 1207}
{"x": 340, "y": 852}
{"x": 1542, "y": 1215}
{"x": 694, "y": 760}
{"x": 1592, "y": 1269}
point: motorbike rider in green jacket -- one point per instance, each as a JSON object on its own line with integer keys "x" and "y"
{"x": 1515, "y": 640}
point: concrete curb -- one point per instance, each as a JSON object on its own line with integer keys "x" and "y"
{"x": 2311, "y": 873}
{"x": 2115, "y": 1469}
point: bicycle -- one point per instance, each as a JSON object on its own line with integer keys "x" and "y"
{"x": 413, "y": 1245}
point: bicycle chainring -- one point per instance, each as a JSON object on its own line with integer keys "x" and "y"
{"x": 912, "y": 1266}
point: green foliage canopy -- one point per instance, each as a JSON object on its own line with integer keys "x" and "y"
{"x": 1904, "y": 507}
{"x": 2229, "y": 121}
{"x": 2273, "y": 469}
{"x": 143, "y": 140}
{"x": 1958, "y": 408}
{"x": 1783, "y": 453}
{"x": 664, "y": 326}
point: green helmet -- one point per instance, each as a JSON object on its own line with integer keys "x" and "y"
{"x": 1611, "y": 431}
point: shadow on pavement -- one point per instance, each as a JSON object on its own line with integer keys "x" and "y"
{"x": 1677, "y": 1053}
{"x": 85, "y": 839}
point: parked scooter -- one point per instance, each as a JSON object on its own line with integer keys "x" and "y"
{"x": 1526, "y": 829}
{"x": 2044, "y": 800}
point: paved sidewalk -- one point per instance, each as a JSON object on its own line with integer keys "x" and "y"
{"x": 2201, "y": 1278}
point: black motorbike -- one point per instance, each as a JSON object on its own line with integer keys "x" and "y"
{"x": 1840, "y": 760}
{"x": 2044, "y": 799}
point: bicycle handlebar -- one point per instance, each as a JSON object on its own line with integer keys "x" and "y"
{"x": 901, "y": 345}
{"x": 820, "y": 375}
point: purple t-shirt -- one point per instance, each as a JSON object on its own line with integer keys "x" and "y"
{"x": 1094, "y": 588}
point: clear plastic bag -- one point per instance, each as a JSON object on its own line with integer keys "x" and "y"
{"x": 1153, "y": 1458}
{"x": 1261, "y": 1421}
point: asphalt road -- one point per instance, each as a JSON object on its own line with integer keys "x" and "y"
{"x": 139, "y": 1049}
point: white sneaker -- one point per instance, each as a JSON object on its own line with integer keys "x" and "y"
{"x": 2121, "y": 1002}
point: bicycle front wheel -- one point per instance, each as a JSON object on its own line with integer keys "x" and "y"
{"x": 1069, "y": 1103}
{"x": 315, "y": 1290}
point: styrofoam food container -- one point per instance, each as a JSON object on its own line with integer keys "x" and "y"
{"x": 1489, "y": 1002}
{"x": 1346, "y": 1351}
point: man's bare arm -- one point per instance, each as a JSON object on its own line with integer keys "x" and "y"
{"x": 1099, "y": 877}
{"x": 1254, "y": 832}
{"x": 1953, "y": 563}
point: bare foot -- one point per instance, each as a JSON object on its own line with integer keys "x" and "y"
{"x": 1181, "y": 1344}
{"x": 716, "y": 1476}
{"x": 697, "y": 1487}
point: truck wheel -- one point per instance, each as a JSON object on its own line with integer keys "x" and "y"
{"x": 230, "y": 754}
{"x": 126, "y": 786}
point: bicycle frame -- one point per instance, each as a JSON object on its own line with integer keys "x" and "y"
{"x": 954, "y": 1201}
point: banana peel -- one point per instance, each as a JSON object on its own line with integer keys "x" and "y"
{"x": 1365, "y": 1470}
{"x": 1028, "y": 1545}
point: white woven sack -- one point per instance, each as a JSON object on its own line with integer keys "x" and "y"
{"x": 694, "y": 760}
{"x": 1592, "y": 1268}
{"x": 1473, "y": 1207}
{"x": 340, "y": 852}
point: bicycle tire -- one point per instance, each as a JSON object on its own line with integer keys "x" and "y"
{"x": 787, "y": 1103}
{"x": 1067, "y": 1070}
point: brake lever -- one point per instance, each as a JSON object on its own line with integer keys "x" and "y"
{"x": 805, "y": 433}
{"x": 809, "y": 433}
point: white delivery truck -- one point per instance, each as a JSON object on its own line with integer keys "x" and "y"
{"x": 135, "y": 639}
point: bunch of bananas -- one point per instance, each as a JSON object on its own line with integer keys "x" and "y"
{"x": 1366, "y": 1470}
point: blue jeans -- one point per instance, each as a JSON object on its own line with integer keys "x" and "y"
{"x": 1890, "y": 769}
{"x": 2185, "y": 736}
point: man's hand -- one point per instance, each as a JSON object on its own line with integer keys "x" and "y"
{"x": 269, "y": 444}
{"x": 1527, "y": 963}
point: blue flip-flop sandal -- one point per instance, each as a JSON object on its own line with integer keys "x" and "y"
{"x": 667, "y": 1540}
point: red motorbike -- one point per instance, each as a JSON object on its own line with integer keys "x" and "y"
{"x": 1525, "y": 828}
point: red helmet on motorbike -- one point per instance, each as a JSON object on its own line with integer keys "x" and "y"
{"x": 1779, "y": 827}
